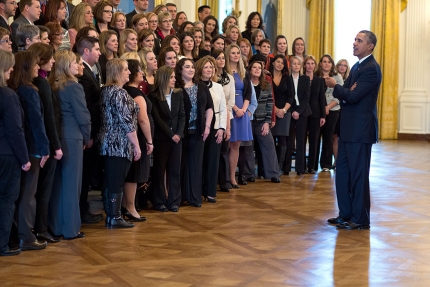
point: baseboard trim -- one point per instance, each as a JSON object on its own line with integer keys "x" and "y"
{"x": 413, "y": 137}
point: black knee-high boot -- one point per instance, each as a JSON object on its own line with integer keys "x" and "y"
{"x": 116, "y": 221}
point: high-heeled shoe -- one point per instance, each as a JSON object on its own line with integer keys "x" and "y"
{"x": 210, "y": 199}
{"x": 131, "y": 217}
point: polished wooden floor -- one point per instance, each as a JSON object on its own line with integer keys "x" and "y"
{"x": 264, "y": 234}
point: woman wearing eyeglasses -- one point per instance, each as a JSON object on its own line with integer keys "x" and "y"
{"x": 103, "y": 13}
{"x": 5, "y": 41}
{"x": 164, "y": 28}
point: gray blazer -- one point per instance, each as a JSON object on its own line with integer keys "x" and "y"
{"x": 21, "y": 20}
{"x": 75, "y": 117}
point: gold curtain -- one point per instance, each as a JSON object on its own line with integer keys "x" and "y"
{"x": 385, "y": 25}
{"x": 321, "y": 28}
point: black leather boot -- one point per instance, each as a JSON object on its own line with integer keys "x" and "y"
{"x": 105, "y": 198}
{"x": 116, "y": 221}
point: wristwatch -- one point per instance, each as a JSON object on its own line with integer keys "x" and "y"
{"x": 284, "y": 111}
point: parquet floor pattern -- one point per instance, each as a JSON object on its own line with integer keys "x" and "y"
{"x": 263, "y": 234}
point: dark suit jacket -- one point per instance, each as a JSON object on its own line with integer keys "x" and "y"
{"x": 204, "y": 102}
{"x": 168, "y": 122}
{"x": 303, "y": 94}
{"x": 129, "y": 16}
{"x": 358, "y": 119}
{"x": 4, "y": 24}
{"x": 12, "y": 139}
{"x": 92, "y": 96}
{"x": 41, "y": 20}
{"x": 51, "y": 112}
{"x": 35, "y": 134}
{"x": 317, "y": 101}
{"x": 75, "y": 118}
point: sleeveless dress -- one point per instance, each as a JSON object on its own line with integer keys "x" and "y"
{"x": 241, "y": 129}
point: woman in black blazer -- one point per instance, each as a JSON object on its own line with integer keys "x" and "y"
{"x": 52, "y": 126}
{"x": 198, "y": 106}
{"x": 300, "y": 112}
{"x": 169, "y": 121}
{"x": 13, "y": 152}
{"x": 21, "y": 80}
{"x": 317, "y": 103}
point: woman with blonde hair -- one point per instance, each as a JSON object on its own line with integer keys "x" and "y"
{"x": 342, "y": 67}
{"x": 64, "y": 209}
{"x": 240, "y": 126}
{"x": 206, "y": 72}
{"x": 119, "y": 144}
{"x": 82, "y": 16}
{"x": 164, "y": 28}
{"x": 228, "y": 21}
{"x": 127, "y": 41}
{"x": 149, "y": 67}
{"x": 233, "y": 34}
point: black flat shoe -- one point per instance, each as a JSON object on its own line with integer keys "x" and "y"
{"x": 210, "y": 199}
{"x": 352, "y": 226}
{"x": 235, "y": 186}
{"x": 337, "y": 220}
{"x": 80, "y": 235}
{"x": 6, "y": 251}
{"x": 47, "y": 237}
{"x": 174, "y": 208}
{"x": 161, "y": 208}
{"x": 35, "y": 245}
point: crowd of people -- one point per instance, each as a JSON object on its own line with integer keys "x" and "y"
{"x": 147, "y": 106}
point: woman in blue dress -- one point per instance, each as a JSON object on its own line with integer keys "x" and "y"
{"x": 241, "y": 125}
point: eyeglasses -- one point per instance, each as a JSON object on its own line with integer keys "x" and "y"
{"x": 9, "y": 40}
{"x": 108, "y": 11}
{"x": 13, "y": 3}
{"x": 167, "y": 21}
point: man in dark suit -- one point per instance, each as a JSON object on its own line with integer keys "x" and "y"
{"x": 140, "y": 6}
{"x": 358, "y": 132}
{"x": 7, "y": 10}
{"x": 30, "y": 12}
{"x": 89, "y": 50}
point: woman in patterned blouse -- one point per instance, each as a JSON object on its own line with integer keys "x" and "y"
{"x": 118, "y": 139}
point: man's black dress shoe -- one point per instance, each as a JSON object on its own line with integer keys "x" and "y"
{"x": 47, "y": 237}
{"x": 161, "y": 208}
{"x": 35, "y": 245}
{"x": 337, "y": 220}
{"x": 275, "y": 180}
{"x": 6, "y": 251}
{"x": 351, "y": 225}
{"x": 80, "y": 235}
{"x": 174, "y": 208}
{"x": 250, "y": 179}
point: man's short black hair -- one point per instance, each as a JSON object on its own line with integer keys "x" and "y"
{"x": 202, "y": 8}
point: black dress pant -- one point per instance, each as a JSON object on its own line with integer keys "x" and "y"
{"x": 10, "y": 178}
{"x": 191, "y": 169}
{"x": 224, "y": 165}
{"x": 26, "y": 204}
{"x": 211, "y": 157}
{"x": 327, "y": 132}
{"x": 166, "y": 161}
{"x": 90, "y": 162}
{"x": 314, "y": 131}
{"x": 299, "y": 128}
{"x": 43, "y": 194}
{"x": 246, "y": 161}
